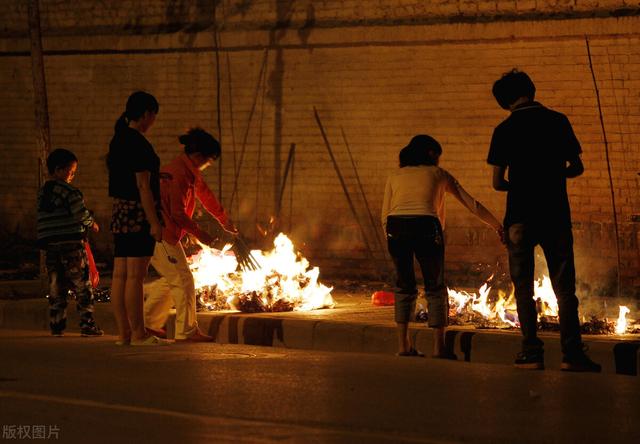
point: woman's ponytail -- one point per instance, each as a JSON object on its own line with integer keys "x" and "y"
{"x": 121, "y": 123}
{"x": 138, "y": 103}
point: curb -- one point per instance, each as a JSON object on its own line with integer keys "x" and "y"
{"x": 616, "y": 355}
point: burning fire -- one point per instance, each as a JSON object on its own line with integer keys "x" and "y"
{"x": 283, "y": 282}
{"x": 502, "y": 313}
{"x": 621, "y": 324}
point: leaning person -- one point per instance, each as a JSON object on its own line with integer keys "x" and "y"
{"x": 413, "y": 219}
{"x": 134, "y": 185}
{"x": 63, "y": 225}
{"x": 181, "y": 185}
{"x": 539, "y": 150}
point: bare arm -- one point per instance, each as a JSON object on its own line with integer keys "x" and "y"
{"x": 474, "y": 206}
{"x": 143, "y": 181}
{"x": 575, "y": 168}
{"x": 499, "y": 182}
{"x": 386, "y": 202}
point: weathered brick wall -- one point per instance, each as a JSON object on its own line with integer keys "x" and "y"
{"x": 379, "y": 71}
{"x": 61, "y": 17}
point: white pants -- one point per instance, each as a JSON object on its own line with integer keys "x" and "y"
{"x": 176, "y": 281}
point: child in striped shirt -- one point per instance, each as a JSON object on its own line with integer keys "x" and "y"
{"x": 63, "y": 224}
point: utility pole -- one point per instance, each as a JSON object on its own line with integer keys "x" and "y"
{"x": 43, "y": 137}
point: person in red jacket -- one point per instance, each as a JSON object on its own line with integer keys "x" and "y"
{"x": 181, "y": 184}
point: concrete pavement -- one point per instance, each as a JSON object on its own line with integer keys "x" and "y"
{"x": 90, "y": 390}
{"x": 355, "y": 325}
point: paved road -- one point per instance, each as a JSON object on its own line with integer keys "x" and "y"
{"x": 91, "y": 391}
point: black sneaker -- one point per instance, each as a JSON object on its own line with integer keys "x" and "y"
{"x": 579, "y": 362}
{"x": 530, "y": 360}
{"x": 94, "y": 330}
{"x": 57, "y": 328}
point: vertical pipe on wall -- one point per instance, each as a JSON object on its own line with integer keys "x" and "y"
{"x": 216, "y": 44}
{"x": 276, "y": 85}
{"x": 41, "y": 107}
{"x": 43, "y": 137}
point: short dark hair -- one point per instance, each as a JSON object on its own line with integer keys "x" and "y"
{"x": 198, "y": 140}
{"x": 417, "y": 152}
{"x": 511, "y": 86}
{"x": 60, "y": 158}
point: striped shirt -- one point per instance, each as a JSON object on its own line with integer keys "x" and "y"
{"x": 62, "y": 215}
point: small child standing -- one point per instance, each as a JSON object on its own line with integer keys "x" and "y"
{"x": 63, "y": 224}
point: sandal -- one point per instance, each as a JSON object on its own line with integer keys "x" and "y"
{"x": 150, "y": 340}
{"x": 411, "y": 353}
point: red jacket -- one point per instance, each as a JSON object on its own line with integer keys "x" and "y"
{"x": 180, "y": 185}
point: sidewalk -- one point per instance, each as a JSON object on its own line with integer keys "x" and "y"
{"x": 355, "y": 325}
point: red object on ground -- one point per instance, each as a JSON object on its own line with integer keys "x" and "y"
{"x": 382, "y": 298}
{"x": 94, "y": 276}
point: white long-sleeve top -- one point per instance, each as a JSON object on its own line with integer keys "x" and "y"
{"x": 419, "y": 191}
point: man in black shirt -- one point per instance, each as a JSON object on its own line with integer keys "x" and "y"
{"x": 538, "y": 149}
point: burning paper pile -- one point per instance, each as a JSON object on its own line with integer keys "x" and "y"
{"x": 477, "y": 309}
{"x": 283, "y": 281}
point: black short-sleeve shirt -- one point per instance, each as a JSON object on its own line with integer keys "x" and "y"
{"x": 129, "y": 153}
{"x": 535, "y": 143}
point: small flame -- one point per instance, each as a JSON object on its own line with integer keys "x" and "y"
{"x": 503, "y": 311}
{"x": 480, "y": 304}
{"x": 543, "y": 292}
{"x": 621, "y": 324}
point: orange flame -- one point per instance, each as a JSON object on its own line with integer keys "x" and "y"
{"x": 283, "y": 275}
{"x": 621, "y": 324}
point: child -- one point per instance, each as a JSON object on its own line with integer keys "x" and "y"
{"x": 63, "y": 222}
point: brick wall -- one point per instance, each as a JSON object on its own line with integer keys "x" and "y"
{"x": 379, "y": 71}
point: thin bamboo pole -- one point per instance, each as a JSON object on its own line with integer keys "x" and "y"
{"x": 344, "y": 187}
{"x": 606, "y": 151}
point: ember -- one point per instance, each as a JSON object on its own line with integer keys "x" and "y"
{"x": 283, "y": 281}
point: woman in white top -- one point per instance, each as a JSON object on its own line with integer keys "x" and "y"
{"x": 413, "y": 219}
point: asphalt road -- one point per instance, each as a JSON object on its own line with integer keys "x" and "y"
{"x": 84, "y": 390}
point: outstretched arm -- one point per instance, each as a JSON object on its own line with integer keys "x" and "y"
{"x": 499, "y": 182}
{"x": 213, "y": 207}
{"x": 474, "y": 206}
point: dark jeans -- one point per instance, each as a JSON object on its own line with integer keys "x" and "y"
{"x": 557, "y": 245}
{"x": 419, "y": 237}
{"x": 68, "y": 269}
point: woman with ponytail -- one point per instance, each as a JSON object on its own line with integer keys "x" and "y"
{"x": 181, "y": 185}
{"x": 134, "y": 185}
{"x": 413, "y": 218}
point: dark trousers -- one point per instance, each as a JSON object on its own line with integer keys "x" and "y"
{"x": 557, "y": 245}
{"x": 419, "y": 237}
{"x": 68, "y": 269}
